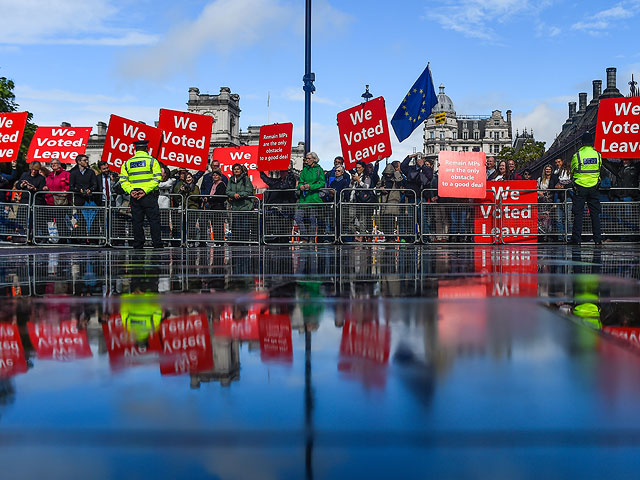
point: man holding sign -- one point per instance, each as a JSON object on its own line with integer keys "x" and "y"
{"x": 140, "y": 177}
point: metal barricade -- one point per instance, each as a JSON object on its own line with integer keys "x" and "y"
{"x": 620, "y": 220}
{"x": 171, "y": 223}
{"x": 14, "y": 216}
{"x": 531, "y": 222}
{"x": 68, "y": 216}
{"x": 363, "y": 219}
{"x": 221, "y": 226}
{"x": 291, "y": 223}
{"x": 457, "y": 220}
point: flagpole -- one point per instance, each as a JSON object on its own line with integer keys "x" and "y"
{"x": 308, "y": 79}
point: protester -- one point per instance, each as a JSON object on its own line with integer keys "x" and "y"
{"x": 441, "y": 217}
{"x": 83, "y": 182}
{"x": 57, "y": 181}
{"x": 330, "y": 175}
{"x": 280, "y": 189}
{"x": 627, "y": 180}
{"x": 165, "y": 187}
{"x": 418, "y": 176}
{"x": 361, "y": 217}
{"x": 239, "y": 192}
{"x": 545, "y": 198}
{"x": 189, "y": 191}
{"x": 32, "y": 182}
{"x": 526, "y": 174}
{"x": 491, "y": 167}
{"x": 310, "y": 184}
{"x": 511, "y": 170}
{"x": 390, "y": 187}
{"x": 104, "y": 185}
{"x": 501, "y": 174}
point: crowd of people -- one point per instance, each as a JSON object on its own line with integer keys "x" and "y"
{"x": 398, "y": 186}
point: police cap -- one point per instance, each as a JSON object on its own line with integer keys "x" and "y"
{"x": 141, "y": 143}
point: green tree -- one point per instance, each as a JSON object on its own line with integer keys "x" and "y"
{"x": 8, "y": 104}
{"x": 528, "y": 153}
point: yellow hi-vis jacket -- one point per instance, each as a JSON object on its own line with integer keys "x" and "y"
{"x": 585, "y": 167}
{"x": 141, "y": 171}
{"x": 141, "y": 314}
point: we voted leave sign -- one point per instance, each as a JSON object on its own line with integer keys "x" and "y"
{"x": 11, "y": 129}
{"x": 185, "y": 139}
{"x": 618, "y": 128}
{"x": 62, "y": 143}
{"x": 247, "y": 156}
{"x": 121, "y": 133}
{"x": 364, "y": 133}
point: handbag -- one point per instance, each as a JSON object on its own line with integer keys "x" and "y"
{"x": 60, "y": 199}
{"x": 365, "y": 196}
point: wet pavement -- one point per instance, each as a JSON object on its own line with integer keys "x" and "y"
{"x": 327, "y": 362}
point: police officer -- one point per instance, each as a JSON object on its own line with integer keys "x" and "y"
{"x": 585, "y": 170}
{"x": 140, "y": 178}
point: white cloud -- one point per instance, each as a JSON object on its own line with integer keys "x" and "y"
{"x": 545, "y": 120}
{"x": 86, "y": 22}
{"x": 474, "y": 18}
{"x": 603, "y": 20}
{"x": 57, "y": 95}
{"x": 297, "y": 95}
{"x": 223, "y": 26}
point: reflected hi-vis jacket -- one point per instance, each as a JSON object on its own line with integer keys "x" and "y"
{"x": 141, "y": 171}
{"x": 585, "y": 167}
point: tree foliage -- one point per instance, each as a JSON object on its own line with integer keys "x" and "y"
{"x": 8, "y": 104}
{"x": 530, "y": 151}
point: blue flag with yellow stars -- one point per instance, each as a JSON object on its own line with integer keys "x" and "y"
{"x": 415, "y": 107}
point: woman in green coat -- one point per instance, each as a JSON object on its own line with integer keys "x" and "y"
{"x": 244, "y": 226}
{"x": 310, "y": 183}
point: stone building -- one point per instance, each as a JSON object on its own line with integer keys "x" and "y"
{"x": 465, "y": 133}
{"x": 580, "y": 120}
{"x": 225, "y": 110}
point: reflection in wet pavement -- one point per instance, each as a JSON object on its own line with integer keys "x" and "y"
{"x": 329, "y": 363}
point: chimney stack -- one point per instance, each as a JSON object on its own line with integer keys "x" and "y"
{"x": 102, "y": 128}
{"x": 611, "y": 91}
{"x": 582, "y": 96}
{"x": 597, "y": 91}
{"x": 193, "y": 94}
{"x": 572, "y": 110}
{"x": 65, "y": 124}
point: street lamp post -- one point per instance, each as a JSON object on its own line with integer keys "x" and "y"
{"x": 367, "y": 94}
{"x": 308, "y": 79}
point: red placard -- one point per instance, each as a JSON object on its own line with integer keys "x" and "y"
{"x": 245, "y": 328}
{"x": 274, "y": 149}
{"x": 12, "y": 360}
{"x": 508, "y": 272}
{"x": 516, "y": 221}
{"x": 630, "y": 335}
{"x": 368, "y": 340}
{"x": 59, "y": 341}
{"x": 275, "y": 338}
{"x": 63, "y": 143}
{"x": 124, "y": 351}
{"x": 462, "y": 174}
{"x": 11, "y": 129}
{"x": 247, "y": 156}
{"x": 185, "y": 139}
{"x": 618, "y": 127}
{"x": 186, "y": 345}
{"x": 364, "y": 133}
{"x": 122, "y": 132}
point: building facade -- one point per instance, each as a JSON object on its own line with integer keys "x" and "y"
{"x": 225, "y": 110}
{"x": 465, "y": 133}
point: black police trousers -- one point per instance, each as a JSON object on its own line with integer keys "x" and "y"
{"x": 588, "y": 195}
{"x": 146, "y": 206}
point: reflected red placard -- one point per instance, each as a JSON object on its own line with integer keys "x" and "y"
{"x": 508, "y": 272}
{"x": 59, "y": 341}
{"x": 63, "y": 143}
{"x": 274, "y": 148}
{"x": 462, "y": 174}
{"x": 123, "y": 350}
{"x": 245, "y": 328}
{"x": 186, "y": 345}
{"x": 11, "y": 130}
{"x": 275, "y": 337}
{"x": 516, "y": 221}
{"x": 364, "y": 133}
{"x": 631, "y": 335}
{"x": 368, "y": 340}
{"x": 185, "y": 139}
{"x": 247, "y": 156}
{"x": 618, "y": 127}
{"x": 121, "y": 133}
{"x": 12, "y": 359}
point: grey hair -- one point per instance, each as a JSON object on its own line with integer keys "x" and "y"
{"x": 314, "y": 155}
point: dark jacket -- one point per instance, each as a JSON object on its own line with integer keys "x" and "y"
{"x": 330, "y": 176}
{"x": 83, "y": 181}
{"x": 38, "y": 181}
{"x": 287, "y": 183}
{"x": 339, "y": 184}
{"x": 418, "y": 178}
{"x": 208, "y": 178}
{"x": 627, "y": 177}
{"x": 217, "y": 202}
{"x": 244, "y": 188}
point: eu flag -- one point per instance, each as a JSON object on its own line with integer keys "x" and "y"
{"x": 415, "y": 107}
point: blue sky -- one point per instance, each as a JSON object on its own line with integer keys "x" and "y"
{"x": 81, "y": 60}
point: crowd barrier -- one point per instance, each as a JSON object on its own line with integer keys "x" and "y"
{"x": 221, "y": 226}
{"x": 171, "y": 223}
{"x": 292, "y": 222}
{"x": 68, "y": 216}
{"x": 358, "y": 217}
{"x": 14, "y": 215}
{"x": 363, "y": 219}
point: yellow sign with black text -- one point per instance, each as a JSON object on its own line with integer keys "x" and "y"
{"x": 440, "y": 118}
